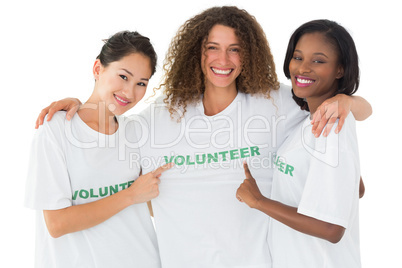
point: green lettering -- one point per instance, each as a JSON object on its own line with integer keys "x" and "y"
{"x": 244, "y": 152}
{"x": 84, "y": 194}
{"x": 198, "y": 160}
{"x": 168, "y": 161}
{"x": 281, "y": 166}
{"x": 277, "y": 161}
{"x": 188, "y": 161}
{"x": 289, "y": 169}
{"x": 213, "y": 157}
{"x": 234, "y": 154}
{"x": 181, "y": 162}
{"x": 223, "y": 154}
{"x": 92, "y": 193}
{"x": 129, "y": 183}
{"x": 114, "y": 189}
{"x": 255, "y": 150}
{"x": 105, "y": 193}
{"x": 75, "y": 195}
{"x": 123, "y": 185}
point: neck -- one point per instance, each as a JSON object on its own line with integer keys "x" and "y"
{"x": 97, "y": 116}
{"x": 315, "y": 102}
{"x": 217, "y": 100}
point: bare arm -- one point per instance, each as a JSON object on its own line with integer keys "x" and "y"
{"x": 249, "y": 193}
{"x": 76, "y": 218}
{"x": 362, "y": 188}
{"x": 339, "y": 107}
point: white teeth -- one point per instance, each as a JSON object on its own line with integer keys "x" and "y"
{"x": 304, "y": 81}
{"x": 117, "y": 97}
{"x": 217, "y": 71}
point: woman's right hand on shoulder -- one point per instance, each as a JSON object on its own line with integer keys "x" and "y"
{"x": 146, "y": 187}
{"x": 71, "y": 105}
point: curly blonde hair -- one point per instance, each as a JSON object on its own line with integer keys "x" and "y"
{"x": 184, "y": 80}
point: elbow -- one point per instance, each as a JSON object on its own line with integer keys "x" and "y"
{"x": 335, "y": 233}
{"x": 55, "y": 230}
{"x": 55, "y": 226}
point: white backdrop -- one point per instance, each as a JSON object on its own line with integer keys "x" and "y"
{"x": 47, "y": 50}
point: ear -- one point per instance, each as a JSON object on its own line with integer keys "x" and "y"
{"x": 96, "y": 69}
{"x": 340, "y": 73}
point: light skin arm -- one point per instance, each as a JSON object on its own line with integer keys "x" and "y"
{"x": 80, "y": 217}
{"x": 336, "y": 107}
{"x": 250, "y": 194}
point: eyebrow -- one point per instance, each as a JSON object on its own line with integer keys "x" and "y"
{"x": 127, "y": 71}
{"x": 214, "y": 43}
{"x": 316, "y": 54}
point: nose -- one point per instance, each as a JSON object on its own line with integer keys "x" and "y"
{"x": 128, "y": 91}
{"x": 304, "y": 67}
{"x": 223, "y": 57}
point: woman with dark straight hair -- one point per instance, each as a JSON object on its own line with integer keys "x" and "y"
{"x": 315, "y": 190}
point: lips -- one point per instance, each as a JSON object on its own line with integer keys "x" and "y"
{"x": 302, "y": 81}
{"x": 120, "y": 100}
{"x": 221, "y": 71}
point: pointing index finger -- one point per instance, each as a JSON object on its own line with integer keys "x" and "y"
{"x": 247, "y": 171}
{"x": 163, "y": 168}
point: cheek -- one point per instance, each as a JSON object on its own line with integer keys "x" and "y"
{"x": 203, "y": 63}
{"x": 292, "y": 67}
{"x": 140, "y": 93}
{"x": 236, "y": 59}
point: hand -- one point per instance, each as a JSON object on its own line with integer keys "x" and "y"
{"x": 328, "y": 112}
{"x": 146, "y": 187}
{"x": 248, "y": 191}
{"x": 70, "y": 105}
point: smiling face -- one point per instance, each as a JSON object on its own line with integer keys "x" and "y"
{"x": 315, "y": 69}
{"x": 220, "y": 59}
{"x": 122, "y": 84}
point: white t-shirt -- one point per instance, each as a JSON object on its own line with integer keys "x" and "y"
{"x": 199, "y": 221}
{"x": 319, "y": 176}
{"x": 72, "y": 164}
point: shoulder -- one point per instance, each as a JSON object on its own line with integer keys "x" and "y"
{"x": 349, "y": 127}
{"x": 284, "y": 93}
{"x": 343, "y": 142}
{"x": 57, "y": 122}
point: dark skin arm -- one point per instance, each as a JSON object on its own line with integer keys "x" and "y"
{"x": 362, "y": 189}
{"x": 250, "y": 194}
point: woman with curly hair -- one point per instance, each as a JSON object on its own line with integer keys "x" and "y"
{"x": 189, "y": 47}
{"x": 223, "y": 104}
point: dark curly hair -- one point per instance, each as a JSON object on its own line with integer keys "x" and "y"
{"x": 258, "y": 69}
{"x": 339, "y": 37}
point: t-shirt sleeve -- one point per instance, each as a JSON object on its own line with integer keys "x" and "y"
{"x": 288, "y": 110}
{"x": 332, "y": 184}
{"x": 48, "y": 184}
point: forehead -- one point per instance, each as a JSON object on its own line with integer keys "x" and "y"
{"x": 135, "y": 63}
{"x": 222, "y": 33}
{"x": 316, "y": 43}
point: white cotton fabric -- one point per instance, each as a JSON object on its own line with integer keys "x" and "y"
{"x": 71, "y": 164}
{"x": 321, "y": 177}
{"x": 199, "y": 221}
